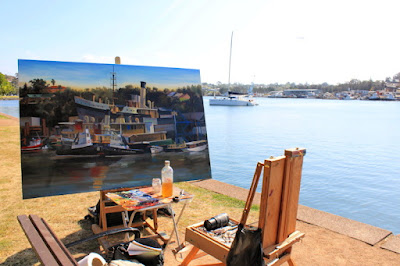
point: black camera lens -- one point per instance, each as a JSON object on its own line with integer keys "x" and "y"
{"x": 215, "y": 222}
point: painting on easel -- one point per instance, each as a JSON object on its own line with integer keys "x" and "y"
{"x": 87, "y": 127}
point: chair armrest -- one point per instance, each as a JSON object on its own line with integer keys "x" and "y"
{"x": 106, "y": 233}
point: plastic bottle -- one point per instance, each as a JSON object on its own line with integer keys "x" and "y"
{"x": 167, "y": 176}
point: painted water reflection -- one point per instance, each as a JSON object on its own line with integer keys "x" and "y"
{"x": 59, "y": 175}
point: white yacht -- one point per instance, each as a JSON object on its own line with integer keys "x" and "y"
{"x": 234, "y": 99}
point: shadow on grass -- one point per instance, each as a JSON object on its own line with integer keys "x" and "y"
{"x": 28, "y": 256}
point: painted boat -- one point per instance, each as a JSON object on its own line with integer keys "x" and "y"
{"x": 193, "y": 146}
{"x": 176, "y": 147}
{"x": 156, "y": 149}
{"x": 54, "y": 142}
{"x": 198, "y": 145}
{"x": 34, "y": 144}
{"x": 118, "y": 146}
{"x": 81, "y": 145}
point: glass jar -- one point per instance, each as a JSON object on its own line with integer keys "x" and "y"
{"x": 156, "y": 184}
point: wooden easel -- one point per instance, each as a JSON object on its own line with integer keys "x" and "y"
{"x": 277, "y": 216}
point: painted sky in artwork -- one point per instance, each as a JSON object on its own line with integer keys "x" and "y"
{"x": 91, "y": 75}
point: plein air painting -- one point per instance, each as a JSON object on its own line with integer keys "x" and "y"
{"x": 87, "y": 127}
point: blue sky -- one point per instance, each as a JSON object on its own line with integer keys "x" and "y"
{"x": 274, "y": 40}
{"x": 92, "y": 75}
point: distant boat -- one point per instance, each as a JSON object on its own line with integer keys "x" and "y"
{"x": 277, "y": 94}
{"x": 348, "y": 97}
{"x": 234, "y": 98}
{"x": 377, "y": 96}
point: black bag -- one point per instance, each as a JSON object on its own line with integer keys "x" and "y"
{"x": 113, "y": 219}
{"x": 246, "y": 249}
{"x": 120, "y": 252}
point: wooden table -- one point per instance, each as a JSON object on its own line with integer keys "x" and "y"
{"x": 150, "y": 223}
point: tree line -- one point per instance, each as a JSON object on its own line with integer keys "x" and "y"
{"x": 353, "y": 84}
{"x": 7, "y": 87}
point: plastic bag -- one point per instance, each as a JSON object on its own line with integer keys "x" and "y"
{"x": 246, "y": 249}
{"x": 120, "y": 252}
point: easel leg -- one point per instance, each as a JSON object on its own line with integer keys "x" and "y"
{"x": 190, "y": 256}
{"x": 103, "y": 218}
{"x": 291, "y": 262}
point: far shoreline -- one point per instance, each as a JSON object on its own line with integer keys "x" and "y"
{"x": 13, "y": 97}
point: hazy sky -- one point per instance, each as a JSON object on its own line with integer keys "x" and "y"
{"x": 281, "y": 41}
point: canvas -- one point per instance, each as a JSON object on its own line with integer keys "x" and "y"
{"x": 87, "y": 126}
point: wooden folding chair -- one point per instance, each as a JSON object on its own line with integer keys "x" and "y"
{"x": 277, "y": 216}
{"x": 49, "y": 248}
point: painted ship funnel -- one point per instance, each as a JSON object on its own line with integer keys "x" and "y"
{"x": 142, "y": 94}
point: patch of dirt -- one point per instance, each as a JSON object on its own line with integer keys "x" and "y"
{"x": 8, "y": 121}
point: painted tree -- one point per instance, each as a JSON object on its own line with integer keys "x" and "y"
{"x": 38, "y": 85}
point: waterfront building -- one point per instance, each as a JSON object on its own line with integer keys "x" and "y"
{"x": 301, "y": 93}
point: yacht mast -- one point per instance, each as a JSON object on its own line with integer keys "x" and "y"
{"x": 230, "y": 57}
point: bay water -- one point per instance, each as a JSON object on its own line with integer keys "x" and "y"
{"x": 9, "y": 107}
{"x": 351, "y": 168}
{"x": 352, "y": 165}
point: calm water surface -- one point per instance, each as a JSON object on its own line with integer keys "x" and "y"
{"x": 352, "y": 166}
{"x": 9, "y": 107}
{"x": 351, "y": 169}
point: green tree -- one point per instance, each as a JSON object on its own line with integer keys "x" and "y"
{"x": 53, "y": 82}
{"x": 5, "y": 86}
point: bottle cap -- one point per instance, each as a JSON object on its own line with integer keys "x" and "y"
{"x": 167, "y": 162}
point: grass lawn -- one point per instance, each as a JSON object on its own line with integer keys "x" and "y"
{"x": 66, "y": 213}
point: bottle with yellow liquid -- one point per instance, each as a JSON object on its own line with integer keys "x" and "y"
{"x": 167, "y": 176}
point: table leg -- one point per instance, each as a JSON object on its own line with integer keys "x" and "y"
{"x": 127, "y": 221}
{"x": 180, "y": 214}
{"x": 175, "y": 225}
{"x": 155, "y": 222}
{"x": 131, "y": 219}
